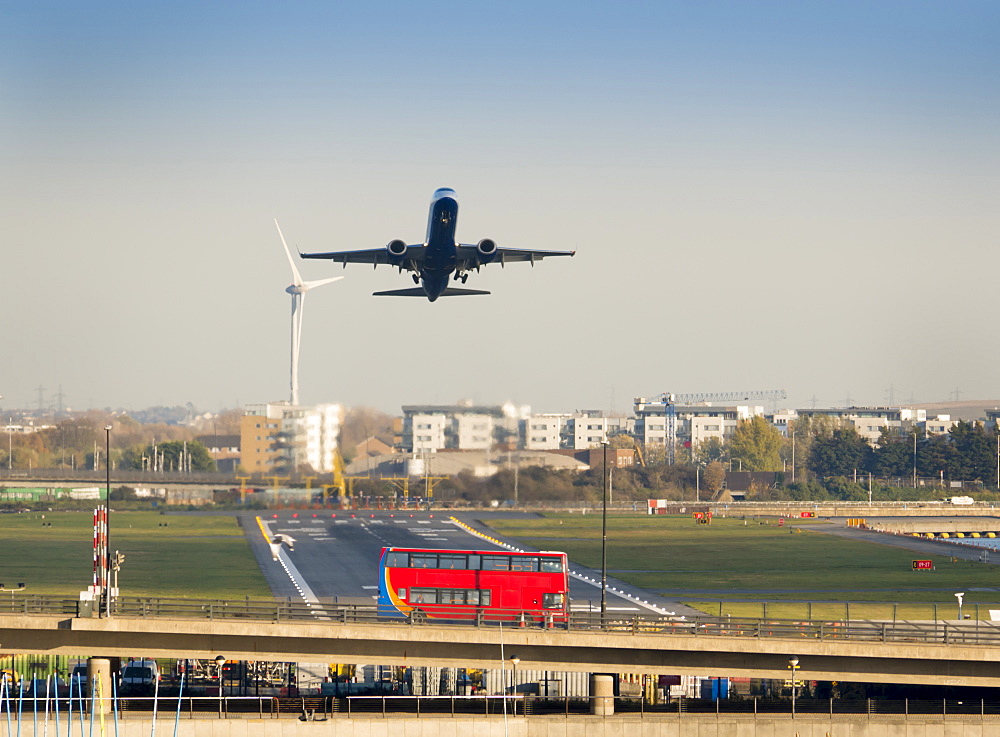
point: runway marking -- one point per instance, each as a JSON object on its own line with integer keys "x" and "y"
{"x": 573, "y": 574}
{"x": 298, "y": 581}
{"x": 369, "y": 587}
{"x": 324, "y": 538}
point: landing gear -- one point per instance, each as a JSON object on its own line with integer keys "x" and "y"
{"x": 465, "y": 278}
{"x": 416, "y": 278}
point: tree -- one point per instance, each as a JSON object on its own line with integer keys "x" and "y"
{"x": 936, "y": 457}
{"x": 893, "y": 456}
{"x": 713, "y": 477}
{"x": 361, "y": 423}
{"x": 757, "y": 443}
{"x": 711, "y": 449}
{"x": 975, "y": 452}
{"x": 842, "y": 454}
{"x": 621, "y": 442}
{"x": 173, "y": 450}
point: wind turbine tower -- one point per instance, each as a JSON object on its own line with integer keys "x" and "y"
{"x": 298, "y": 289}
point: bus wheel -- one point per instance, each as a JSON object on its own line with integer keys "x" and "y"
{"x": 418, "y": 615}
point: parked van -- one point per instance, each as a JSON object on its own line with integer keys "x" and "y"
{"x": 78, "y": 680}
{"x": 139, "y": 677}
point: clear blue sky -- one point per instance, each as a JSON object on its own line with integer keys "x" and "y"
{"x": 797, "y": 195}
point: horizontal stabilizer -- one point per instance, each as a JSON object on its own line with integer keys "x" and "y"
{"x": 418, "y": 292}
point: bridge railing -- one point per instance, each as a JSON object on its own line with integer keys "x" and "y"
{"x": 320, "y": 708}
{"x": 977, "y": 632}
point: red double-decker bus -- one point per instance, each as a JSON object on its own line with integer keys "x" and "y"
{"x": 487, "y": 585}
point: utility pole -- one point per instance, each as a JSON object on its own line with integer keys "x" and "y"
{"x": 604, "y": 539}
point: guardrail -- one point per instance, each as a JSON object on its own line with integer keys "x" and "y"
{"x": 321, "y": 708}
{"x": 964, "y": 632}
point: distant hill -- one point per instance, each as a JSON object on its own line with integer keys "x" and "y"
{"x": 974, "y": 409}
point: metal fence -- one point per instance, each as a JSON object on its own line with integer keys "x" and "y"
{"x": 320, "y": 708}
{"x": 950, "y": 632}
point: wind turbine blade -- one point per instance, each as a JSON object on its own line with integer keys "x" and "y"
{"x": 320, "y": 282}
{"x": 296, "y": 279}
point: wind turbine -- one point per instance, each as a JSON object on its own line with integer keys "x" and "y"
{"x": 298, "y": 289}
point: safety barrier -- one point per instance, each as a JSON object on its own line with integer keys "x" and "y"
{"x": 951, "y": 632}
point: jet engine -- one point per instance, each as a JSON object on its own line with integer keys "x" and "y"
{"x": 396, "y": 250}
{"x": 486, "y": 250}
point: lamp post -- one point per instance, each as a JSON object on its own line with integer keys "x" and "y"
{"x": 793, "y": 663}
{"x": 793, "y": 456}
{"x": 219, "y": 662}
{"x": 514, "y": 660}
{"x": 604, "y": 538}
{"x": 107, "y": 521}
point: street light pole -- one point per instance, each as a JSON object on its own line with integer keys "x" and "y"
{"x": 793, "y": 663}
{"x": 107, "y": 521}
{"x": 793, "y": 456}
{"x": 219, "y": 662}
{"x": 604, "y": 538}
{"x": 514, "y": 660}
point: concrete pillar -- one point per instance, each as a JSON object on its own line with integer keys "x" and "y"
{"x": 602, "y": 694}
{"x": 99, "y": 679}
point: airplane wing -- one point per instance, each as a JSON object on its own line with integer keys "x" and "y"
{"x": 470, "y": 255}
{"x": 375, "y": 256}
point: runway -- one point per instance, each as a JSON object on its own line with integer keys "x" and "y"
{"x": 335, "y": 556}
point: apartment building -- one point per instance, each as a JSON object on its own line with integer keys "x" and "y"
{"x": 280, "y": 437}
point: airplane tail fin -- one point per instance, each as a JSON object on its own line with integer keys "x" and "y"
{"x": 418, "y": 292}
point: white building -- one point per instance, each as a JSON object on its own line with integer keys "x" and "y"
{"x": 429, "y": 428}
{"x": 474, "y": 432}
{"x": 587, "y": 432}
{"x": 426, "y": 432}
{"x": 693, "y": 423}
{"x": 282, "y": 435}
{"x": 543, "y": 432}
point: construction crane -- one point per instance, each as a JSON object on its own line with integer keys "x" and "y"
{"x": 669, "y": 401}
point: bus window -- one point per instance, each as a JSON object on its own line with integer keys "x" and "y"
{"x": 523, "y": 564}
{"x": 423, "y": 596}
{"x": 397, "y": 560}
{"x": 551, "y": 565}
{"x": 474, "y": 563}
{"x": 423, "y": 560}
{"x": 552, "y": 601}
{"x": 401, "y": 593}
{"x": 451, "y": 596}
{"x": 496, "y": 563}
{"x": 452, "y": 562}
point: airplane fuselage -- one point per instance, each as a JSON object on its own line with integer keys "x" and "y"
{"x": 439, "y": 262}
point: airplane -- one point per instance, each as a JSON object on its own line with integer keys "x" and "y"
{"x": 439, "y": 257}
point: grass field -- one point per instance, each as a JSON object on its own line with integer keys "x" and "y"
{"x": 193, "y": 556}
{"x": 730, "y": 567}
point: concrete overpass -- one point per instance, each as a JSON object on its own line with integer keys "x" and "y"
{"x": 963, "y": 654}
